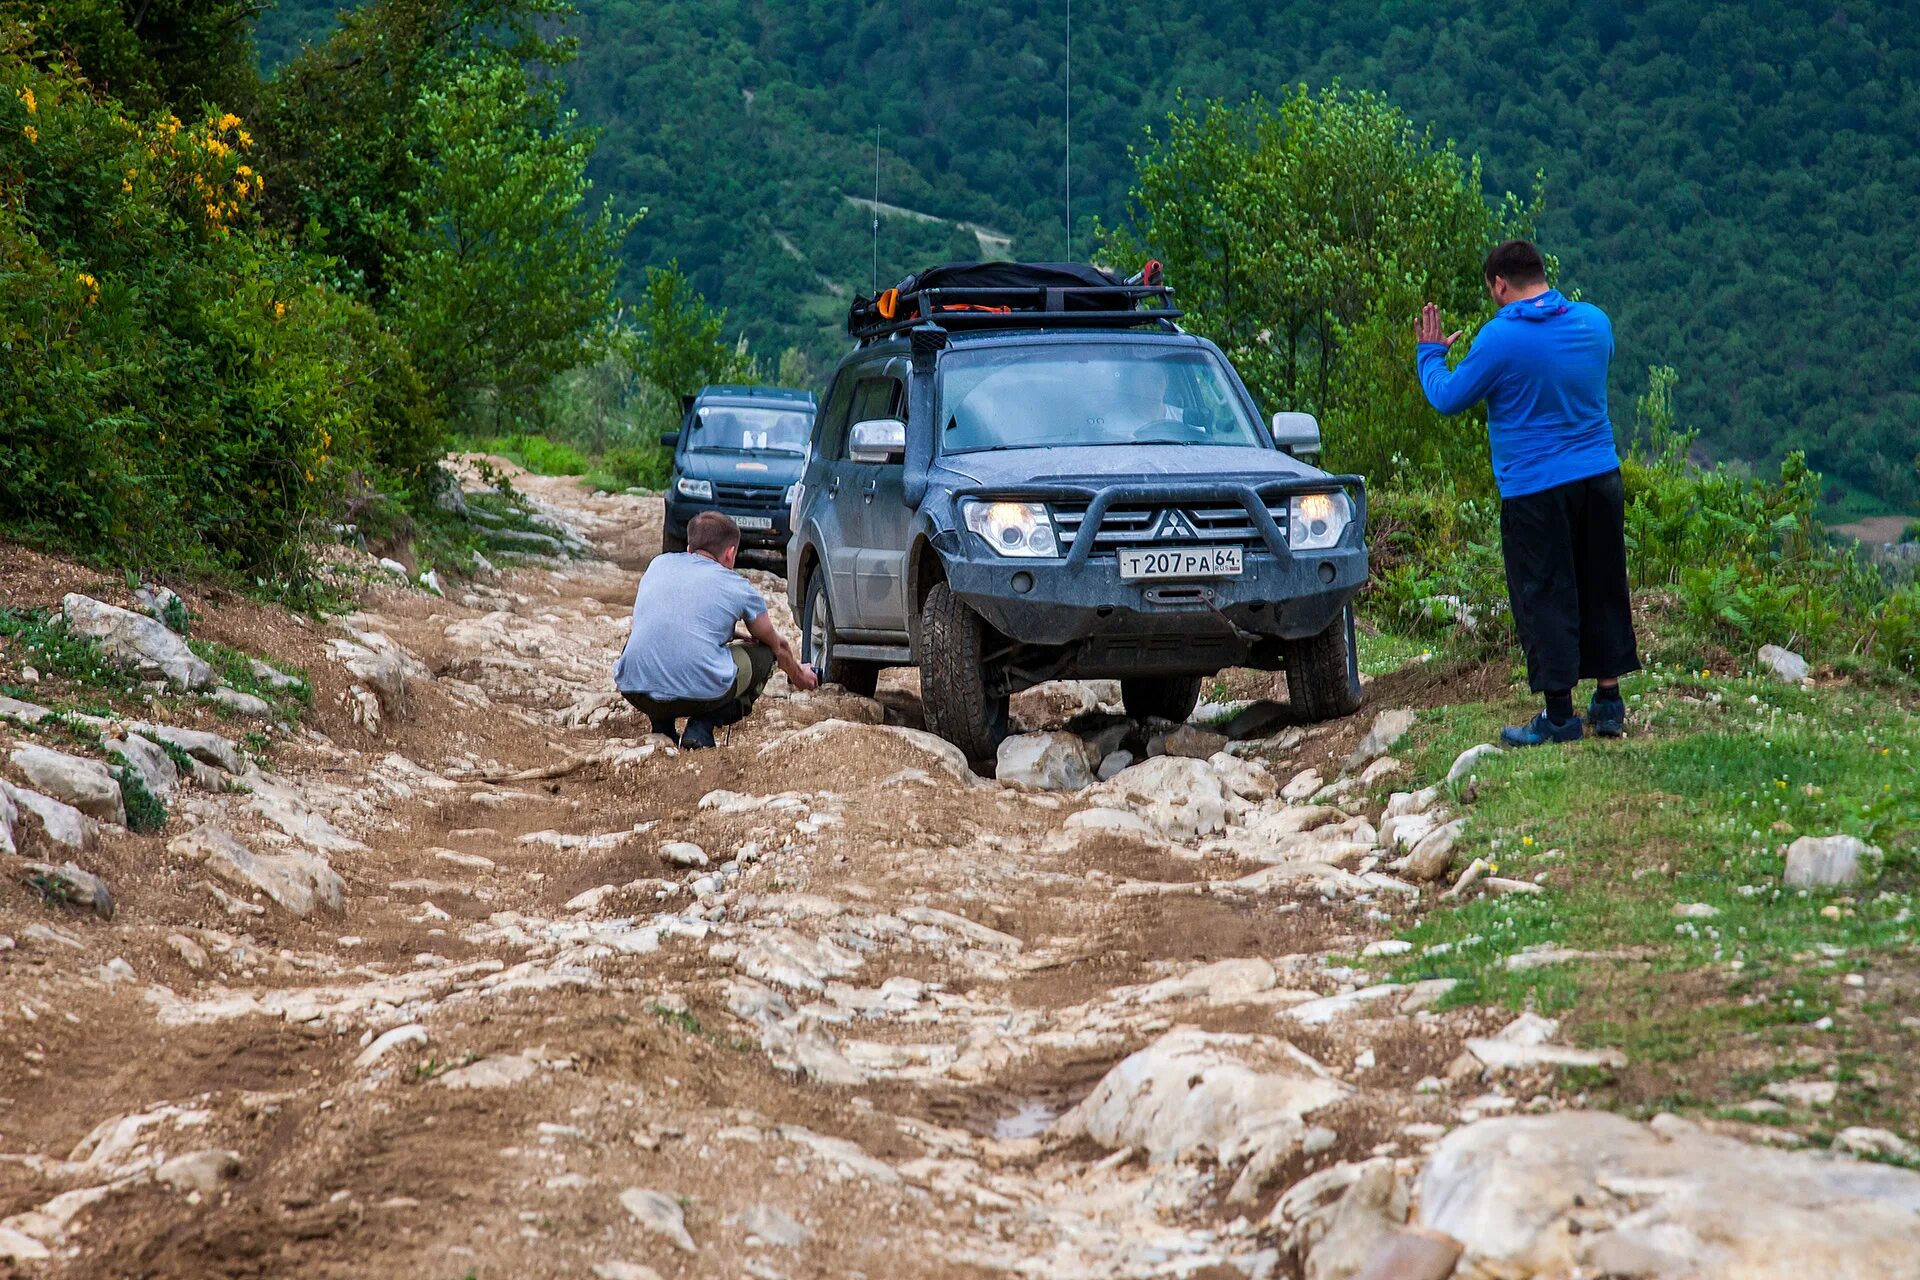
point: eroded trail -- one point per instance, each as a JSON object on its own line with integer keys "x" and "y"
{"x": 818, "y": 1003}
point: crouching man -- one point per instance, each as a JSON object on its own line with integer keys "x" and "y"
{"x": 683, "y": 659}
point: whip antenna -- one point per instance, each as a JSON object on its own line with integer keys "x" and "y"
{"x": 1069, "y": 130}
{"x": 876, "y": 209}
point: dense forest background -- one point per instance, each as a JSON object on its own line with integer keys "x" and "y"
{"x": 1733, "y": 181}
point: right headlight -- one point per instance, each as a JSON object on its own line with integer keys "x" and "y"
{"x": 702, "y": 489}
{"x": 1315, "y": 521}
{"x": 1012, "y": 528}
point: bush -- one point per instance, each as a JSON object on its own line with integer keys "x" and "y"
{"x": 632, "y": 467}
{"x": 536, "y": 453}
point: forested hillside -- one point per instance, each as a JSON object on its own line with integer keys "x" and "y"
{"x": 1733, "y": 181}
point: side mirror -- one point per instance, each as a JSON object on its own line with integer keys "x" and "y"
{"x": 669, "y": 439}
{"x": 1297, "y": 434}
{"x": 878, "y": 440}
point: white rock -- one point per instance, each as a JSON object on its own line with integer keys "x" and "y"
{"x": 498, "y": 1072}
{"x": 1179, "y": 797}
{"x": 684, "y": 853}
{"x": 24, "y": 712}
{"x": 156, "y": 768}
{"x": 1432, "y": 857}
{"x": 1863, "y": 1141}
{"x": 272, "y": 676}
{"x": 245, "y": 704}
{"x": 1504, "y": 1055}
{"x": 208, "y": 748}
{"x": 1245, "y": 778}
{"x": 386, "y": 1041}
{"x": 1819, "y": 861}
{"x": 1387, "y": 947}
{"x": 1694, "y": 911}
{"x": 298, "y": 881}
{"x": 190, "y": 952}
{"x": 1388, "y": 728}
{"x": 80, "y": 888}
{"x": 1120, "y": 820}
{"x": 1405, "y": 830}
{"x": 1302, "y": 785}
{"x": 393, "y": 566}
{"x": 659, "y": 1213}
{"x": 84, "y": 784}
{"x": 1054, "y": 761}
{"x": 63, "y": 823}
{"x": 1464, "y": 762}
{"x": 774, "y": 1227}
{"x": 615, "y": 1270}
{"x": 1804, "y": 1093}
{"x": 431, "y": 581}
{"x": 1114, "y": 762}
{"x": 1783, "y": 664}
{"x": 1585, "y": 1193}
{"x": 201, "y": 1171}
{"x": 138, "y": 644}
{"x": 1401, "y": 803}
{"x": 1381, "y": 768}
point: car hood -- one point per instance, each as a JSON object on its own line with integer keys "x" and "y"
{"x": 1108, "y": 463}
{"x": 774, "y": 470}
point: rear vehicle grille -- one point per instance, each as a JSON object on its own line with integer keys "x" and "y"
{"x": 1153, "y": 525}
{"x": 748, "y": 495}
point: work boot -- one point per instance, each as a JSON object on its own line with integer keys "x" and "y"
{"x": 1607, "y": 716}
{"x": 664, "y": 727}
{"x": 1539, "y": 731}
{"x": 697, "y": 737}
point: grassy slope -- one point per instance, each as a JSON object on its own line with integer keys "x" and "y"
{"x": 1697, "y": 805}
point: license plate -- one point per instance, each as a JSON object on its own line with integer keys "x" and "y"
{"x": 1181, "y": 562}
{"x": 753, "y": 522}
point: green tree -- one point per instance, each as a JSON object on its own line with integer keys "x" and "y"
{"x": 502, "y": 275}
{"x": 178, "y": 54}
{"x": 1302, "y": 236}
{"x": 681, "y": 345}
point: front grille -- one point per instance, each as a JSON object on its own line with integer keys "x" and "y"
{"x": 748, "y": 495}
{"x": 1155, "y": 525}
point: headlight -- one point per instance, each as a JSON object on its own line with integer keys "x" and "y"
{"x": 1012, "y": 528}
{"x": 1315, "y": 521}
{"x": 694, "y": 488}
{"x": 793, "y": 492}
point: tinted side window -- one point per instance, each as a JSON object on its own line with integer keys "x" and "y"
{"x": 877, "y": 398}
{"x": 830, "y": 436}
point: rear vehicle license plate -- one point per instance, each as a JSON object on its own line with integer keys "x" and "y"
{"x": 1181, "y": 562}
{"x": 753, "y": 522}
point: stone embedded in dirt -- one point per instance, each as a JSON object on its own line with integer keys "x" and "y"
{"x": 191, "y": 953}
{"x": 387, "y": 1041}
{"x": 774, "y": 1227}
{"x": 1818, "y": 861}
{"x": 659, "y": 1213}
{"x": 1433, "y": 855}
{"x": 298, "y": 881}
{"x": 1302, "y": 785}
{"x": 1864, "y": 1141}
{"x": 1338, "y": 1243}
{"x": 1403, "y": 803}
{"x": 1318, "y": 1013}
{"x": 1587, "y": 1193}
{"x": 1464, "y": 762}
{"x": 1403, "y": 831}
{"x": 617, "y": 1270}
{"x": 1222, "y": 982}
{"x": 84, "y": 784}
{"x": 498, "y": 1072}
{"x": 208, "y": 748}
{"x": 1188, "y": 740}
{"x": 684, "y": 853}
{"x": 9, "y": 819}
{"x": 201, "y": 1171}
{"x": 156, "y": 768}
{"x": 1055, "y": 761}
{"x": 24, "y": 712}
{"x": 272, "y": 676}
{"x": 243, "y": 704}
{"x": 1192, "y": 1093}
{"x": 1387, "y": 947}
{"x": 1496, "y": 1054}
{"x": 1179, "y": 797}
{"x": 1245, "y": 778}
{"x": 1113, "y": 763}
{"x": 1052, "y": 704}
{"x": 138, "y": 644}
{"x": 279, "y": 803}
{"x": 69, "y": 885}
{"x": 1804, "y": 1093}
{"x": 1388, "y": 728}
{"x": 63, "y": 823}
{"x": 1385, "y": 766}
{"x": 1122, "y": 821}
{"x": 1694, "y": 911}
{"x": 1783, "y": 664}
{"x": 18, "y": 1246}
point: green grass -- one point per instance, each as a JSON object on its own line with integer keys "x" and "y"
{"x": 40, "y": 639}
{"x": 536, "y": 453}
{"x": 1697, "y": 806}
{"x": 1387, "y": 652}
{"x": 232, "y": 666}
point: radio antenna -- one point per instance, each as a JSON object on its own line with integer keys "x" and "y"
{"x": 876, "y": 210}
{"x": 1069, "y": 130}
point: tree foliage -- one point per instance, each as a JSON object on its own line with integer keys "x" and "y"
{"x": 680, "y": 344}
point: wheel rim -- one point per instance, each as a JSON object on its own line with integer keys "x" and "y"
{"x": 818, "y": 629}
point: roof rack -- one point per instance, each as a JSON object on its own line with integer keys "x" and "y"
{"x": 1014, "y": 296}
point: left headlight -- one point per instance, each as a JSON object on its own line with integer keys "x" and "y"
{"x": 1315, "y": 521}
{"x": 793, "y": 491}
{"x": 701, "y": 489}
{"x": 1012, "y": 528}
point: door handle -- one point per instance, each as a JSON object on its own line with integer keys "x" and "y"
{"x": 833, "y": 485}
{"x": 868, "y": 490}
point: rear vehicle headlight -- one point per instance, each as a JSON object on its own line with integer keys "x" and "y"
{"x": 794, "y": 491}
{"x": 1012, "y": 528}
{"x": 1315, "y": 521}
{"x": 694, "y": 488}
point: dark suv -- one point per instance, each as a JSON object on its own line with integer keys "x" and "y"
{"x": 1026, "y": 472}
{"x": 738, "y": 450}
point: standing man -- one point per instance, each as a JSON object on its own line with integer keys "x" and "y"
{"x": 1541, "y": 366}
{"x": 681, "y": 658}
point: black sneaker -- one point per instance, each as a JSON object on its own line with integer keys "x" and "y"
{"x": 1607, "y": 717}
{"x": 1541, "y": 730}
{"x": 697, "y": 736}
{"x": 665, "y": 729}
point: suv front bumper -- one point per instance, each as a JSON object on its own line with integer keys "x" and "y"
{"x": 682, "y": 509}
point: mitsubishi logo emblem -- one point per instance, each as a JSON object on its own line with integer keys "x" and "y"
{"x": 1173, "y": 525}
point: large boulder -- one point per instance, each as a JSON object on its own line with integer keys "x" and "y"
{"x": 1587, "y": 1193}
{"x": 141, "y": 645}
{"x": 84, "y": 784}
{"x": 1050, "y": 761}
{"x": 299, "y": 882}
{"x": 1783, "y": 664}
{"x": 1179, "y": 797}
{"x": 1822, "y": 861}
{"x": 199, "y": 744}
{"x": 63, "y": 823}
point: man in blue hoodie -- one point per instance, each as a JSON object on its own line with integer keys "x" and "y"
{"x": 1541, "y": 366}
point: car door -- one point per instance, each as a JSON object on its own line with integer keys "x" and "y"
{"x": 833, "y": 509}
{"x": 881, "y": 519}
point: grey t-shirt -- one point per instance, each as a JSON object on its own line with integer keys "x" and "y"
{"x": 683, "y": 616}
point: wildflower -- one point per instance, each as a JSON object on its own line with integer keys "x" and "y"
{"x": 279, "y": 310}
{"x": 33, "y": 134}
{"x": 229, "y": 121}
{"x": 26, "y": 96}
{"x": 246, "y": 139}
{"x": 1527, "y": 841}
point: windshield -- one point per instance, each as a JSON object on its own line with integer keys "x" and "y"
{"x": 736, "y": 428}
{"x": 1089, "y": 394}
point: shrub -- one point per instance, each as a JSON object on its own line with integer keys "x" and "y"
{"x": 633, "y": 467}
{"x": 536, "y": 453}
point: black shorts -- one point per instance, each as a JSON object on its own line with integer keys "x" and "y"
{"x": 1566, "y": 553}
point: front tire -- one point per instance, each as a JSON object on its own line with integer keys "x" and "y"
{"x": 1323, "y": 672}
{"x": 960, "y": 702}
{"x": 817, "y": 644}
{"x": 671, "y": 542}
{"x": 1161, "y": 697}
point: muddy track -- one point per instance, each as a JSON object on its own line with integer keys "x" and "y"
{"x": 817, "y": 1003}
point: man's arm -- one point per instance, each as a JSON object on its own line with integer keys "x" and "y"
{"x": 801, "y": 675}
{"x": 1451, "y": 392}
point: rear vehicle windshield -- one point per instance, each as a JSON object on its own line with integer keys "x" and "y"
{"x": 1089, "y": 394}
{"x": 736, "y": 428}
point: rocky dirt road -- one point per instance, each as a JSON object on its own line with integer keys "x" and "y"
{"x": 469, "y": 978}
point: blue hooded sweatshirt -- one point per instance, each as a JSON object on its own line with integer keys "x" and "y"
{"x": 1541, "y": 366}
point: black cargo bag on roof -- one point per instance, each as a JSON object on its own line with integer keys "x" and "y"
{"x": 990, "y": 286}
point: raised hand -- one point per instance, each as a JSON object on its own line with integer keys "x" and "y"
{"x": 1431, "y": 330}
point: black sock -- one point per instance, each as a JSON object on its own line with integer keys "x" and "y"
{"x": 1559, "y": 705}
{"x": 1604, "y": 696}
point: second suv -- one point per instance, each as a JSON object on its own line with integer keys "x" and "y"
{"x": 738, "y": 451}
{"x": 1021, "y": 474}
